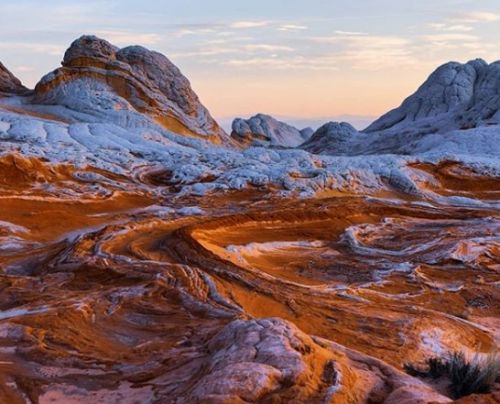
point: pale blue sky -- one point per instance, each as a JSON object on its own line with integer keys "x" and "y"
{"x": 311, "y": 59}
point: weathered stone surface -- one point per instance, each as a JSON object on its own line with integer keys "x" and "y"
{"x": 332, "y": 137}
{"x": 264, "y": 130}
{"x": 9, "y": 84}
{"x": 271, "y": 360}
{"x": 143, "y": 266}
{"x": 257, "y": 359}
{"x": 455, "y": 96}
{"x": 89, "y": 46}
{"x": 96, "y": 75}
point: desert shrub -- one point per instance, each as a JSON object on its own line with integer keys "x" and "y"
{"x": 435, "y": 367}
{"x": 472, "y": 376}
{"x": 475, "y": 376}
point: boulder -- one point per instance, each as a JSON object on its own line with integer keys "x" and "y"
{"x": 331, "y": 138}
{"x": 264, "y": 130}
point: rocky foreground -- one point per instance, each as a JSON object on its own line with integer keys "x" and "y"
{"x": 148, "y": 256}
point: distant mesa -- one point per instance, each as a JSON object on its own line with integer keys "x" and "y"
{"x": 455, "y": 96}
{"x": 96, "y": 75}
{"x": 264, "y": 130}
{"x": 9, "y": 84}
{"x": 332, "y": 136}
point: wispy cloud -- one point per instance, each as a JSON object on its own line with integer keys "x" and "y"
{"x": 205, "y": 51}
{"x": 267, "y": 48}
{"x": 259, "y": 61}
{"x": 195, "y": 31}
{"x": 286, "y": 63}
{"x": 369, "y": 52}
{"x": 350, "y": 33}
{"x": 234, "y": 50}
{"x": 451, "y": 27}
{"x": 248, "y": 24}
{"x": 477, "y": 16}
{"x": 218, "y": 29}
{"x": 292, "y": 27}
{"x": 450, "y": 37}
{"x": 128, "y": 38}
{"x": 49, "y": 49}
{"x": 464, "y": 22}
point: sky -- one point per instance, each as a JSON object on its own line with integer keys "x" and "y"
{"x": 303, "y": 61}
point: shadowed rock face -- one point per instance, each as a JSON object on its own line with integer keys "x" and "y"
{"x": 331, "y": 137}
{"x": 455, "y": 96}
{"x": 264, "y": 130}
{"x": 9, "y": 84}
{"x": 98, "y": 72}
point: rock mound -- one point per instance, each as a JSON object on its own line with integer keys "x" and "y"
{"x": 331, "y": 138}
{"x": 98, "y": 77}
{"x": 264, "y": 130}
{"x": 455, "y": 96}
{"x": 9, "y": 84}
{"x": 250, "y": 361}
{"x": 306, "y": 133}
{"x": 271, "y": 360}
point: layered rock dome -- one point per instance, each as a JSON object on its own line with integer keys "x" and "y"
{"x": 94, "y": 73}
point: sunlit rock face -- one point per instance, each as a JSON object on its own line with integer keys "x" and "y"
{"x": 9, "y": 84}
{"x": 141, "y": 264}
{"x": 455, "y": 96}
{"x": 264, "y": 130}
{"x": 97, "y": 77}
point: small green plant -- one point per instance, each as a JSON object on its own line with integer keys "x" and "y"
{"x": 466, "y": 376}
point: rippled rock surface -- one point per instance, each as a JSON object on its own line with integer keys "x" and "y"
{"x": 138, "y": 264}
{"x": 455, "y": 96}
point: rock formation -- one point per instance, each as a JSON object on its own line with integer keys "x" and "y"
{"x": 142, "y": 265}
{"x": 455, "y": 96}
{"x": 306, "y": 133}
{"x": 333, "y": 137}
{"x": 9, "y": 84}
{"x": 98, "y": 77}
{"x": 264, "y": 130}
{"x": 271, "y": 360}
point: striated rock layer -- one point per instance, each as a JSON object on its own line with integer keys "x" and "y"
{"x": 97, "y": 77}
{"x": 138, "y": 264}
